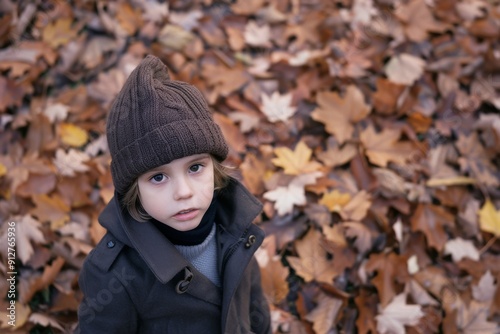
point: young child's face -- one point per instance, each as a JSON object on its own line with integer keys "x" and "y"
{"x": 179, "y": 193}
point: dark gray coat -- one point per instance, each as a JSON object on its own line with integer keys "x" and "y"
{"x": 135, "y": 280}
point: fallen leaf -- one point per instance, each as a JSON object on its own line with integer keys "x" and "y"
{"x": 273, "y": 273}
{"x": 335, "y": 200}
{"x": 68, "y": 164}
{"x": 404, "y": 69}
{"x": 129, "y": 18}
{"x": 174, "y": 37}
{"x": 459, "y": 248}
{"x": 392, "y": 274}
{"x": 256, "y": 35}
{"x": 72, "y": 135}
{"x": 27, "y": 232}
{"x": 489, "y": 218}
{"x": 312, "y": 263}
{"x": 335, "y": 155}
{"x": 432, "y": 220}
{"x": 361, "y": 233}
{"x": 384, "y": 147}
{"x": 51, "y": 209}
{"x": 286, "y": 198}
{"x": 45, "y": 321}
{"x": 277, "y": 107}
{"x": 297, "y": 161}
{"x": 59, "y": 32}
{"x": 357, "y": 208}
{"x": 393, "y": 318}
{"x": 418, "y": 20}
{"x": 484, "y": 291}
{"x": 325, "y": 313}
{"x": 340, "y": 113}
{"x": 56, "y": 112}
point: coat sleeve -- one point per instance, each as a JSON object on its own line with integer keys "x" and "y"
{"x": 259, "y": 308}
{"x": 106, "y": 306}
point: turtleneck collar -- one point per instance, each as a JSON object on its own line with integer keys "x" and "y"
{"x": 192, "y": 237}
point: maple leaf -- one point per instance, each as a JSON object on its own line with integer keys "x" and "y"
{"x": 460, "y": 248}
{"x": 431, "y": 220}
{"x": 418, "y": 20}
{"x": 256, "y": 35}
{"x": 489, "y": 218}
{"x": 472, "y": 317}
{"x": 71, "y": 162}
{"x": 484, "y": 291}
{"x": 297, "y": 161}
{"x": 357, "y": 208}
{"x": 52, "y": 209}
{"x": 395, "y": 316}
{"x": 392, "y": 271}
{"x": 334, "y": 155}
{"x": 27, "y": 232}
{"x": 294, "y": 194}
{"x": 363, "y": 241}
{"x": 340, "y": 113}
{"x": 277, "y": 107}
{"x": 324, "y": 314}
{"x": 335, "y": 200}
{"x": 383, "y": 147}
{"x": 312, "y": 262}
{"x": 404, "y": 69}
{"x": 247, "y": 121}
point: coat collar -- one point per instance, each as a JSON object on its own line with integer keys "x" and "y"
{"x": 236, "y": 211}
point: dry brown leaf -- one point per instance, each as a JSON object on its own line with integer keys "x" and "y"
{"x": 384, "y": 147}
{"x": 432, "y": 220}
{"x": 395, "y": 316}
{"x": 312, "y": 263}
{"x": 325, "y": 313}
{"x": 404, "y": 69}
{"x": 273, "y": 273}
{"x": 418, "y": 20}
{"x": 60, "y": 32}
{"x": 340, "y": 113}
{"x": 51, "y": 209}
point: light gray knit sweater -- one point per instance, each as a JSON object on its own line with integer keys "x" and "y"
{"x": 204, "y": 256}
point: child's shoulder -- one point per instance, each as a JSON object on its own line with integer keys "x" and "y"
{"x": 105, "y": 252}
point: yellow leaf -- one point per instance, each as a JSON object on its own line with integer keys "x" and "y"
{"x": 452, "y": 181}
{"x": 489, "y": 218}
{"x": 72, "y": 135}
{"x": 59, "y": 32}
{"x": 3, "y": 170}
{"x": 295, "y": 162}
{"x": 335, "y": 200}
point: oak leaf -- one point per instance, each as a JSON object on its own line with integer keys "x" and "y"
{"x": 340, "y": 113}
{"x": 277, "y": 107}
{"x": 312, "y": 263}
{"x": 384, "y": 147}
{"x": 295, "y": 162}
{"x": 489, "y": 218}
{"x": 395, "y": 316}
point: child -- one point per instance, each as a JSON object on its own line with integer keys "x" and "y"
{"x": 178, "y": 253}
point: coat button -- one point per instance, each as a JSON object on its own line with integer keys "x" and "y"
{"x": 111, "y": 244}
{"x": 183, "y": 285}
{"x": 250, "y": 241}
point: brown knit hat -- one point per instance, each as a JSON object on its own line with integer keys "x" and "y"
{"x": 155, "y": 120}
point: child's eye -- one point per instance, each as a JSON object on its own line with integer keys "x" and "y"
{"x": 195, "y": 168}
{"x": 157, "y": 178}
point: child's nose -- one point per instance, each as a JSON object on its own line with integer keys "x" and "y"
{"x": 183, "y": 188}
